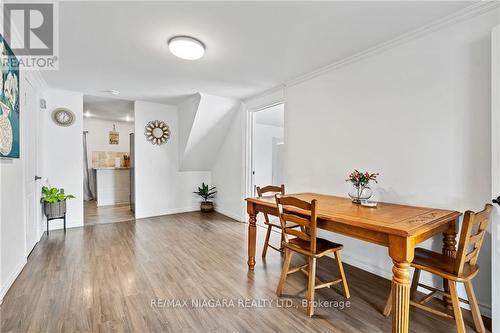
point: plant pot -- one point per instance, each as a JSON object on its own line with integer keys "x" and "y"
{"x": 54, "y": 209}
{"x": 207, "y": 206}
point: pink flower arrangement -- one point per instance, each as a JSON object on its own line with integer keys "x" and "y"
{"x": 361, "y": 179}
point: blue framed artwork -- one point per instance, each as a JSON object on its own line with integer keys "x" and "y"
{"x": 9, "y": 102}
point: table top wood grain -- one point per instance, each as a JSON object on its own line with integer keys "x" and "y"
{"x": 390, "y": 218}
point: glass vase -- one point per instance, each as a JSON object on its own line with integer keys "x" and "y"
{"x": 359, "y": 193}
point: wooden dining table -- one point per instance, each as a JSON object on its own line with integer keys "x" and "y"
{"x": 398, "y": 227}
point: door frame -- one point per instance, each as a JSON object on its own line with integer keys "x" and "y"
{"x": 495, "y": 176}
{"x": 249, "y": 151}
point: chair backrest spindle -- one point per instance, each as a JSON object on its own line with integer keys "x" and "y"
{"x": 261, "y": 191}
{"x": 300, "y": 212}
{"x": 471, "y": 237}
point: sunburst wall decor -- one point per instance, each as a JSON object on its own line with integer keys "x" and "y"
{"x": 157, "y": 132}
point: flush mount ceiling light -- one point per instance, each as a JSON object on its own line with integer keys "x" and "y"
{"x": 186, "y": 47}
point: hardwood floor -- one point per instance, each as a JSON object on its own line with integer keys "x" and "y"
{"x": 104, "y": 278}
{"x": 106, "y": 214}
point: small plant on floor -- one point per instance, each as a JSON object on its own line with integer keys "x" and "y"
{"x": 54, "y": 201}
{"x": 208, "y": 194}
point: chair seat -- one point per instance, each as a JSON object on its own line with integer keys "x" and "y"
{"x": 441, "y": 265}
{"x": 277, "y": 224}
{"x": 323, "y": 246}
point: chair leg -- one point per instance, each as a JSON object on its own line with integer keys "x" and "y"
{"x": 388, "y": 304}
{"x": 281, "y": 241}
{"x": 266, "y": 241}
{"x": 338, "y": 258}
{"x": 474, "y": 307}
{"x": 310, "y": 286}
{"x": 414, "y": 284}
{"x": 457, "y": 311}
{"x": 284, "y": 272}
{"x": 47, "y": 226}
{"x": 64, "y": 223}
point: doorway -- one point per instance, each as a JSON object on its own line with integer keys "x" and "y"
{"x": 267, "y": 146}
{"x": 267, "y": 143}
{"x": 108, "y": 156}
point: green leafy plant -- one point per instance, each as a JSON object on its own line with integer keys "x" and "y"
{"x": 205, "y": 192}
{"x": 54, "y": 194}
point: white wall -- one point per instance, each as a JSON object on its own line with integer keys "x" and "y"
{"x": 263, "y": 152}
{"x": 419, "y": 114}
{"x": 98, "y": 139}
{"x": 207, "y": 129}
{"x": 278, "y": 161}
{"x": 228, "y": 171}
{"x": 98, "y": 136}
{"x": 160, "y": 188}
{"x": 12, "y": 218}
{"x": 261, "y": 101}
{"x": 187, "y": 114}
{"x": 12, "y": 197}
{"x": 63, "y": 153}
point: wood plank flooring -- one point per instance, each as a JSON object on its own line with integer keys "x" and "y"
{"x": 103, "y": 278}
{"x": 106, "y": 214}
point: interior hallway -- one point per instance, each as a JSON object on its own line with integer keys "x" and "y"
{"x": 106, "y": 214}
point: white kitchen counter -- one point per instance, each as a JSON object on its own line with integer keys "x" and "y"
{"x": 112, "y": 185}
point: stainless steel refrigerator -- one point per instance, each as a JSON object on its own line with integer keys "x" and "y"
{"x": 132, "y": 173}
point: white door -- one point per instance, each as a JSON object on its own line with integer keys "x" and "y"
{"x": 32, "y": 205}
{"x": 495, "y": 183}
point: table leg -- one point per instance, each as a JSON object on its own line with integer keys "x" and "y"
{"x": 252, "y": 234}
{"x": 400, "y": 296}
{"x": 401, "y": 250}
{"x": 449, "y": 249}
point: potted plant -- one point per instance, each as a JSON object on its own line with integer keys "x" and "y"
{"x": 54, "y": 202}
{"x": 359, "y": 180}
{"x": 207, "y": 194}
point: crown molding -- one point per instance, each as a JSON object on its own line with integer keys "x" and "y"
{"x": 476, "y": 9}
{"x": 264, "y": 93}
{"x": 468, "y": 12}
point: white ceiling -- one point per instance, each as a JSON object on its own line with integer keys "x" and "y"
{"x": 251, "y": 46}
{"x": 108, "y": 108}
{"x": 274, "y": 116}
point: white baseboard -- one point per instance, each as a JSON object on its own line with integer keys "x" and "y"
{"x": 374, "y": 269}
{"x": 230, "y": 214}
{"x": 59, "y": 226}
{"x": 154, "y": 213}
{"x": 10, "y": 280}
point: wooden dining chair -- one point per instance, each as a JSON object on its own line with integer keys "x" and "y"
{"x": 305, "y": 242}
{"x": 261, "y": 191}
{"x": 461, "y": 269}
